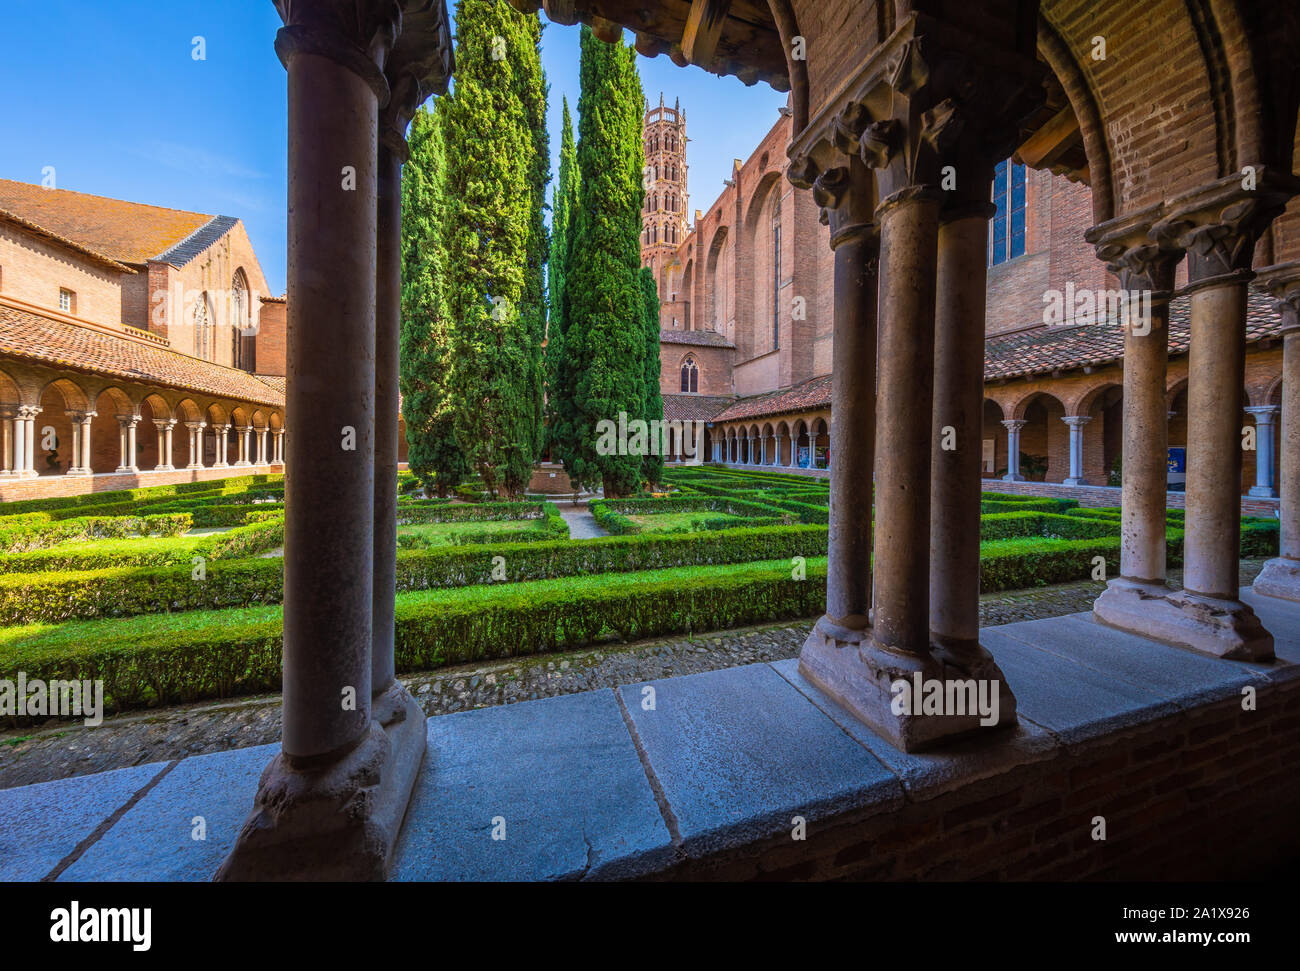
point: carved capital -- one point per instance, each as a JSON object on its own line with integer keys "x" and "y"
{"x": 356, "y": 34}
{"x": 1282, "y": 282}
{"x": 419, "y": 66}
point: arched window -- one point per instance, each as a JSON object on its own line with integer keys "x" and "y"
{"x": 239, "y": 320}
{"x": 202, "y": 327}
{"x": 690, "y": 377}
{"x": 1007, "y": 227}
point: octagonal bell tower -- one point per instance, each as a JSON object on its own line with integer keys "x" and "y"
{"x": 664, "y": 224}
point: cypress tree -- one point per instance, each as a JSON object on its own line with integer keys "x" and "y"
{"x": 605, "y": 345}
{"x": 489, "y": 195}
{"x": 653, "y": 467}
{"x": 432, "y": 451}
{"x": 563, "y": 212}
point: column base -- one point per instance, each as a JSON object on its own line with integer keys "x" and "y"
{"x": 192, "y": 467}
{"x": 860, "y": 674}
{"x": 1262, "y": 492}
{"x": 339, "y": 822}
{"x": 126, "y": 470}
{"x": 78, "y": 473}
{"x": 1013, "y": 478}
{"x": 220, "y": 465}
{"x": 243, "y": 465}
{"x": 1216, "y": 626}
{"x": 1279, "y": 578}
{"x": 1075, "y": 482}
{"x": 164, "y": 468}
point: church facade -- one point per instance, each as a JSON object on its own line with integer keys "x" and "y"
{"x": 746, "y": 323}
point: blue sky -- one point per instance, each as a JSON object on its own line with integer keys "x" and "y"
{"x": 121, "y": 108}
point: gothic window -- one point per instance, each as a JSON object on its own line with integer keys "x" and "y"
{"x": 202, "y": 327}
{"x": 690, "y": 377}
{"x": 776, "y": 285}
{"x": 1007, "y": 230}
{"x": 239, "y": 320}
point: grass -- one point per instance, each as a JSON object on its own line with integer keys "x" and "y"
{"x": 673, "y": 522}
{"x": 427, "y": 535}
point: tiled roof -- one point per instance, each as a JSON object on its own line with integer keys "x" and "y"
{"x": 127, "y": 232}
{"x": 1048, "y": 349}
{"x": 702, "y": 338}
{"x": 34, "y": 337}
{"x": 278, "y": 381}
{"x": 814, "y": 393}
{"x": 194, "y": 244}
{"x": 694, "y": 407}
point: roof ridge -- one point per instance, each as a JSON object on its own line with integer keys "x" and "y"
{"x": 92, "y": 195}
{"x": 207, "y": 234}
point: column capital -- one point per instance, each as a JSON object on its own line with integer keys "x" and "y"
{"x": 127, "y": 421}
{"x": 29, "y": 411}
{"x": 164, "y": 423}
{"x": 196, "y": 424}
{"x": 1077, "y": 421}
{"x": 842, "y": 187}
{"x": 78, "y": 417}
{"x": 1131, "y": 249}
{"x": 1263, "y": 413}
{"x": 1219, "y": 224}
{"x": 1282, "y": 282}
{"x": 356, "y": 34}
{"x": 420, "y": 65}
{"x": 1014, "y": 424}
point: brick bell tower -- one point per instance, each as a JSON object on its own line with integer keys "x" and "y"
{"x": 666, "y": 199}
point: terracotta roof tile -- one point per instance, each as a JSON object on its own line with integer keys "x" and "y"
{"x": 694, "y": 407}
{"x": 1049, "y": 349}
{"x": 702, "y": 338}
{"x": 128, "y": 232}
{"x": 814, "y": 393}
{"x": 33, "y": 337}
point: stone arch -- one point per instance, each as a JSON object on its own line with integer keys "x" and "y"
{"x": 187, "y": 410}
{"x": 802, "y": 445}
{"x": 1044, "y": 439}
{"x": 59, "y": 400}
{"x": 756, "y": 301}
{"x": 820, "y": 442}
{"x": 1103, "y": 435}
{"x": 11, "y": 395}
{"x": 714, "y": 283}
{"x": 993, "y": 458}
{"x": 106, "y": 443}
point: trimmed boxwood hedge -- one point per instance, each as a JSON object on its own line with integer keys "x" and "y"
{"x": 165, "y": 659}
{"x": 37, "y": 534}
{"x": 27, "y": 598}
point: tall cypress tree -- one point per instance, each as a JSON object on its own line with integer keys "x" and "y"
{"x": 560, "y": 418}
{"x": 653, "y": 466}
{"x": 533, "y": 92}
{"x": 489, "y": 193}
{"x": 432, "y": 451}
{"x": 605, "y": 343}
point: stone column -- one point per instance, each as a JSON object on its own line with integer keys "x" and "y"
{"x": 221, "y": 434}
{"x": 1281, "y": 575}
{"x": 261, "y": 447}
{"x": 8, "y": 420}
{"x": 342, "y": 780}
{"x": 196, "y": 443}
{"x": 1217, "y": 226}
{"x": 80, "y": 438}
{"x": 241, "y": 445}
{"x": 956, "y": 452}
{"x": 1013, "y": 426}
{"x": 29, "y": 442}
{"x": 1263, "y": 487}
{"x": 126, "y": 424}
{"x": 1076, "y": 423}
{"x": 1145, "y": 270}
{"x": 164, "y": 426}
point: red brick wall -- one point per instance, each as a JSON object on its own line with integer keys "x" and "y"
{"x": 714, "y": 364}
{"x": 272, "y": 335}
{"x": 33, "y": 271}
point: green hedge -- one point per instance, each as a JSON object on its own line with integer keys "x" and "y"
{"x": 133, "y": 495}
{"x": 170, "y": 658}
{"x": 37, "y": 534}
{"x": 27, "y": 598}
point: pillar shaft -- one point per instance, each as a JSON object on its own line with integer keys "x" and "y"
{"x": 388, "y": 313}
{"x": 1290, "y": 478}
{"x": 329, "y": 498}
{"x": 1216, "y": 385}
{"x": 848, "y": 582}
{"x": 959, "y": 406}
{"x": 908, "y": 246}
{"x": 1264, "y": 415}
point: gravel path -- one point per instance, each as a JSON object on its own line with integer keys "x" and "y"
{"x": 582, "y": 524}
{"x": 60, "y": 750}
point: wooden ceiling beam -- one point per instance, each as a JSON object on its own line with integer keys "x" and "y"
{"x": 703, "y": 30}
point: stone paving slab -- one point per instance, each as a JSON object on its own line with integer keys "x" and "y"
{"x": 1281, "y": 618}
{"x": 41, "y": 824}
{"x": 928, "y": 774}
{"x": 1185, "y": 677}
{"x": 740, "y": 752}
{"x": 1075, "y": 702}
{"x": 155, "y": 840}
{"x": 561, "y": 773}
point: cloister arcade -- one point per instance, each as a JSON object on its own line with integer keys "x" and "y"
{"x": 80, "y": 425}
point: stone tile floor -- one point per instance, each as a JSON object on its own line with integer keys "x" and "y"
{"x": 61, "y": 751}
